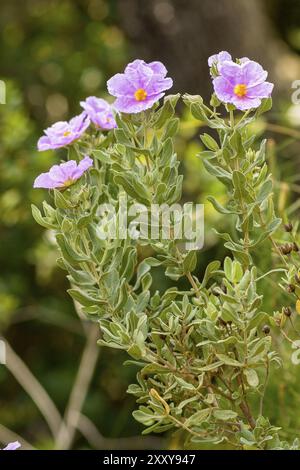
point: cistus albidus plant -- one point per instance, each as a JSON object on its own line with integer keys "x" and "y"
{"x": 204, "y": 355}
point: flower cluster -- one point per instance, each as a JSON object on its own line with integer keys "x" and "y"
{"x": 137, "y": 89}
{"x": 242, "y": 84}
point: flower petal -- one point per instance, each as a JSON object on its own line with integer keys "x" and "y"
{"x": 223, "y": 89}
{"x": 219, "y": 58}
{"x": 158, "y": 68}
{"x": 44, "y": 143}
{"x": 253, "y": 73}
{"x": 231, "y": 71}
{"x": 263, "y": 90}
{"x": 12, "y": 446}
{"x": 45, "y": 181}
{"x": 83, "y": 165}
{"x": 130, "y": 105}
{"x": 243, "y": 104}
{"x": 119, "y": 85}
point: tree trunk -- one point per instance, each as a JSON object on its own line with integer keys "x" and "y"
{"x": 184, "y": 33}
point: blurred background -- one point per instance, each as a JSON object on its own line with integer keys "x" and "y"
{"x": 53, "y": 54}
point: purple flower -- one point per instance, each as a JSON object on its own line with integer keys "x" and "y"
{"x": 63, "y": 175}
{"x": 99, "y": 112}
{"x": 243, "y": 85}
{"x": 218, "y": 59}
{"x": 63, "y": 133}
{"x": 12, "y": 446}
{"x": 140, "y": 86}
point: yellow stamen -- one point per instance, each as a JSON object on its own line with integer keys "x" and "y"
{"x": 68, "y": 182}
{"x": 140, "y": 94}
{"x": 65, "y": 134}
{"x": 240, "y": 90}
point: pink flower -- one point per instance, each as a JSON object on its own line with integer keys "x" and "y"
{"x": 139, "y": 87}
{"x": 99, "y": 112}
{"x": 63, "y": 133}
{"x": 244, "y": 85}
{"x": 63, "y": 175}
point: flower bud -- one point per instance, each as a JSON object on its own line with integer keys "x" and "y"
{"x": 266, "y": 329}
{"x": 287, "y": 311}
{"x": 290, "y": 288}
{"x": 295, "y": 247}
{"x": 287, "y": 248}
{"x": 288, "y": 227}
{"x": 297, "y": 278}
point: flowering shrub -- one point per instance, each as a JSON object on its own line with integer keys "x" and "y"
{"x": 204, "y": 354}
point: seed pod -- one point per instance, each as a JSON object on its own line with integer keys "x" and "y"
{"x": 224, "y": 288}
{"x": 288, "y": 227}
{"x": 266, "y": 329}
{"x": 290, "y": 288}
{"x": 286, "y": 248}
{"x": 287, "y": 311}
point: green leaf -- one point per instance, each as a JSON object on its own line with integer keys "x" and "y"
{"x": 219, "y": 207}
{"x": 265, "y": 106}
{"x": 133, "y": 188}
{"x": 68, "y": 252}
{"x": 264, "y": 192}
{"x": 217, "y": 171}
{"x": 153, "y": 368}
{"x": 252, "y": 377}
{"x": 224, "y": 415}
{"x": 198, "y": 418}
{"x": 40, "y": 219}
{"x": 102, "y": 156}
{"x": 60, "y": 201}
{"x": 211, "y": 269}
{"x": 210, "y": 367}
{"x": 229, "y": 361}
{"x": 240, "y": 187}
{"x": 84, "y": 299}
{"x": 171, "y": 128}
{"x": 166, "y": 111}
{"x": 209, "y": 142}
{"x": 189, "y": 262}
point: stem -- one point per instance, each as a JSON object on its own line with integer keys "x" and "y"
{"x": 276, "y": 247}
{"x": 261, "y": 404}
{"x": 193, "y": 284}
{"x": 86, "y": 369}
{"x": 244, "y": 406}
{"x": 34, "y": 389}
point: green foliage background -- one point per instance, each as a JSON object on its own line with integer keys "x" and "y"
{"x": 53, "y": 54}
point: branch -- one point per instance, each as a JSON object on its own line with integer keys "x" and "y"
{"x": 98, "y": 441}
{"x": 6, "y": 435}
{"x": 84, "y": 376}
{"x": 34, "y": 389}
